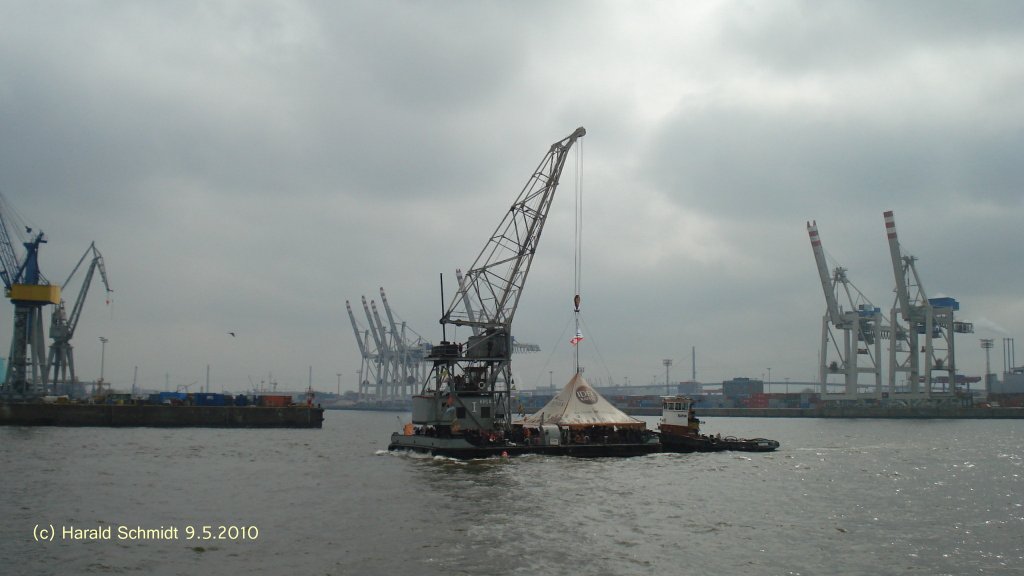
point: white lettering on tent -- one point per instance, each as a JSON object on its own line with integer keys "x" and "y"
{"x": 586, "y": 395}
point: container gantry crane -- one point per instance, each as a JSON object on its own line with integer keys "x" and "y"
{"x": 474, "y": 379}
{"x": 921, "y": 316}
{"x": 389, "y": 350}
{"x": 411, "y": 355}
{"x": 368, "y": 368}
{"x": 29, "y": 291}
{"x": 61, "y": 361}
{"x": 861, "y": 326}
{"x": 393, "y": 362}
{"x": 400, "y": 371}
{"x": 380, "y": 356}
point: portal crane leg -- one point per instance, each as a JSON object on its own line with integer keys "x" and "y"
{"x": 27, "y": 353}
{"x": 850, "y": 340}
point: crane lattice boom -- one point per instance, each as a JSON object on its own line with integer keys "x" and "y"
{"x": 492, "y": 287}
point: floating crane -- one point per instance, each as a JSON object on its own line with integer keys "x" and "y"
{"x": 517, "y": 347}
{"x": 921, "y": 316}
{"x": 61, "y": 361}
{"x": 465, "y": 377}
{"x": 29, "y": 291}
{"x": 861, "y": 327}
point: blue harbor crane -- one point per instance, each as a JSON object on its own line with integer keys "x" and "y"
{"x": 29, "y": 291}
{"x": 61, "y": 362}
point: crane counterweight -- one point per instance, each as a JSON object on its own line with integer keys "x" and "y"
{"x": 29, "y": 293}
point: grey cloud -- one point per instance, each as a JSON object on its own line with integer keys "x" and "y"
{"x": 256, "y": 164}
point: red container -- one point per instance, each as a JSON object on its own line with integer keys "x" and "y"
{"x": 275, "y": 400}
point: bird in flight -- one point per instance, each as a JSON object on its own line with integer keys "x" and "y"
{"x": 232, "y": 334}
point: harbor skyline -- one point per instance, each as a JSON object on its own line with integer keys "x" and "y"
{"x": 247, "y": 168}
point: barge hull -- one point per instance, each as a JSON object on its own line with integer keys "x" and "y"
{"x": 160, "y": 416}
{"x": 461, "y": 450}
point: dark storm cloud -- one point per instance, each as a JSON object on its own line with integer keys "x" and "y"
{"x": 258, "y": 101}
{"x": 808, "y": 35}
{"x": 804, "y": 162}
{"x": 250, "y": 166}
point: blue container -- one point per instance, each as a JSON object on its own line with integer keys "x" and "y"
{"x": 944, "y": 303}
{"x": 867, "y": 311}
{"x": 208, "y": 399}
{"x": 172, "y": 397}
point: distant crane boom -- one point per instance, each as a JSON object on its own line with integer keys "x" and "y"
{"x": 369, "y": 367}
{"x": 470, "y": 315}
{"x": 377, "y": 337}
{"x": 831, "y": 305}
{"x": 399, "y": 344}
{"x": 97, "y": 263}
{"x": 61, "y": 362}
{"x": 859, "y": 351}
{"x": 355, "y": 330}
{"x": 901, "y": 268}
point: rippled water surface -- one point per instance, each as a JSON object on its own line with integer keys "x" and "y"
{"x": 840, "y": 497}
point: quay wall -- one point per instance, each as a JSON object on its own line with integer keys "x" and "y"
{"x": 161, "y": 416}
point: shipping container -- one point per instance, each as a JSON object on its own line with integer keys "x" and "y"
{"x": 946, "y": 302}
{"x": 171, "y": 398}
{"x": 275, "y": 400}
{"x": 208, "y": 399}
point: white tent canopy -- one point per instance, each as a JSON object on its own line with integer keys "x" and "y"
{"x": 577, "y": 406}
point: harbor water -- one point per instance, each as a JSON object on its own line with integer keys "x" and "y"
{"x": 839, "y": 497}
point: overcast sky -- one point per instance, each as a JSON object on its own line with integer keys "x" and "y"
{"x": 248, "y": 166}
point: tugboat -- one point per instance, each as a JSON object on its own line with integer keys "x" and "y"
{"x": 680, "y": 432}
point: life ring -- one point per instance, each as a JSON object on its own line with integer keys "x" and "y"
{"x": 480, "y": 386}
